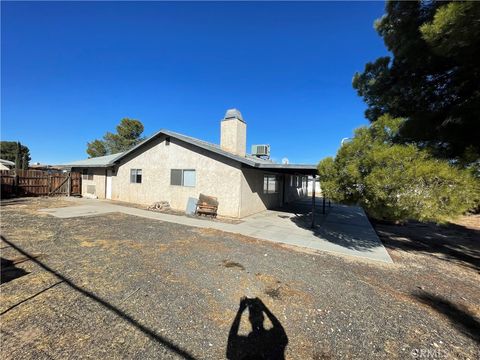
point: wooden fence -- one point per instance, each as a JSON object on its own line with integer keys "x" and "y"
{"x": 39, "y": 183}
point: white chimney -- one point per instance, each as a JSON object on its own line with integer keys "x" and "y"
{"x": 233, "y": 133}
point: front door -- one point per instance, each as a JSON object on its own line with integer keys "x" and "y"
{"x": 108, "y": 190}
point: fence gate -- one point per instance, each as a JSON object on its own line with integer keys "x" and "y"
{"x": 39, "y": 183}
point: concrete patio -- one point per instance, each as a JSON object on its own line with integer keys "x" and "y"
{"x": 343, "y": 229}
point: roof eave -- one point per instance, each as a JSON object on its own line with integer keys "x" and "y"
{"x": 199, "y": 144}
{"x": 71, "y": 166}
{"x": 288, "y": 166}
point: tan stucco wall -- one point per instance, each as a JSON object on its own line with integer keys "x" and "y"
{"x": 233, "y": 136}
{"x": 215, "y": 176}
{"x": 253, "y": 199}
{"x": 98, "y": 181}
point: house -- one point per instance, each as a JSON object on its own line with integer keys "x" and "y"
{"x": 45, "y": 167}
{"x": 173, "y": 167}
{"x": 6, "y": 164}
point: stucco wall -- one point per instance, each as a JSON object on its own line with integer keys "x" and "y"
{"x": 98, "y": 181}
{"x": 233, "y": 136}
{"x": 215, "y": 176}
{"x": 254, "y": 200}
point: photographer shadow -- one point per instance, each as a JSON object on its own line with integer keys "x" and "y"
{"x": 260, "y": 343}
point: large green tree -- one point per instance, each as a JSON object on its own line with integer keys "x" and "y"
{"x": 395, "y": 181}
{"x": 432, "y": 78}
{"x": 16, "y": 152}
{"x": 129, "y": 133}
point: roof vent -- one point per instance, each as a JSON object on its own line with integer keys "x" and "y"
{"x": 233, "y": 114}
{"x": 261, "y": 150}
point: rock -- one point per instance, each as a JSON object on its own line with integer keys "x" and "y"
{"x": 160, "y": 206}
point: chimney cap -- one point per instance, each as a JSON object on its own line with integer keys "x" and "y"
{"x": 233, "y": 114}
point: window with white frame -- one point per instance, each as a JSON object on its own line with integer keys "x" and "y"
{"x": 136, "y": 176}
{"x": 183, "y": 177}
{"x": 270, "y": 184}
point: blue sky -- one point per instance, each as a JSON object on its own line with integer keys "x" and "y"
{"x": 71, "y": 71}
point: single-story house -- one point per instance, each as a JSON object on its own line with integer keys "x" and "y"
{"x": 6, "y": 164}
{"x": 173, "y": 167}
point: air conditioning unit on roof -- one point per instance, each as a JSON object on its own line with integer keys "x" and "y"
{"x": 261, "y": 150}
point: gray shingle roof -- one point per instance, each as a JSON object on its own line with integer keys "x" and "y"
{"x": 101, "y": 161}
{"x": 250, "y": 160}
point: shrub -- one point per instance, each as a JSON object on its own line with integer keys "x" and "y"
{"x": 396, "y": 182}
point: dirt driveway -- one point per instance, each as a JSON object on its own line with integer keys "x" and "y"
{"x": 120, "y": 286}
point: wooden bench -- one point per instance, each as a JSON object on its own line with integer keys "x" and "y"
{"x": 207, "y": 205}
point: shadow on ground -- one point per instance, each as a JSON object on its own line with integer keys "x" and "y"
{"x": 460, "y": 318}
{"x": 147, "y": 331}
{"x": 342, "y": 225}
{"x": 9, "y": 271}
{"x": 260, "y": 343}
{"x": 12, "y": 201}
{"x": 451, "y": 242}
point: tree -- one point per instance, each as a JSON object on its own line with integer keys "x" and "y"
{"x": 432, "y": 78}
{"x": 395, "y": 181}
{"x": 128, "y": 135}
{"x": 96, "y": 148}
{"x": 16, "y": 152}
{"x": 18, "y": 157}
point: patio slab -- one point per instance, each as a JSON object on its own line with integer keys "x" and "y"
{"x": 342, "y": 230}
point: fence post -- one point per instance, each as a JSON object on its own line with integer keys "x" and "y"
{"x": 15, "y": 184}
{"x": 69, "y": 184}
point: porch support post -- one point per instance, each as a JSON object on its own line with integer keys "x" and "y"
{"x": 313, "y": 201}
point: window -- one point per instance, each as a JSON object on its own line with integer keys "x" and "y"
{"x": 182, "y": 177}
{"x": 167, "y": 141}
{"x": 176, "y": 177}
{"x": 136, "y": 176}
{"x": 270, "y": 184}
{"x": 87, "y": 174}
{"x": 189, "y": 178}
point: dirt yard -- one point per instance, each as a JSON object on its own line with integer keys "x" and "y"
{"x": 118, "y": 286}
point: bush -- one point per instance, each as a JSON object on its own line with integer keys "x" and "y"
{"x": 396, "y": 182}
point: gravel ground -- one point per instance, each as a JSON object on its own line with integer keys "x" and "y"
{"x": 118, "y": 286}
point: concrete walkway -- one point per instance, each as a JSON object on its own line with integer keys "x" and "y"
{"x": 343, "y": 230}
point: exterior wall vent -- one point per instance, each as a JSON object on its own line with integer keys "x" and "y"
{"x": 261, "y": 150}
